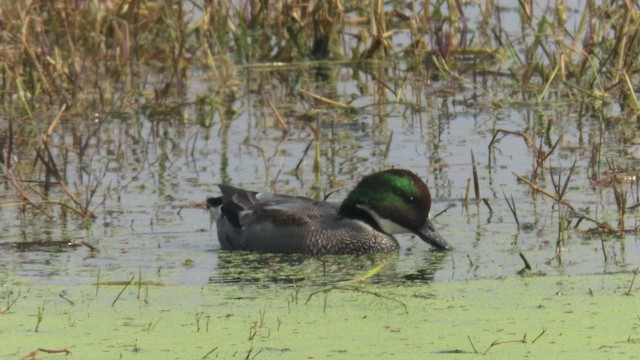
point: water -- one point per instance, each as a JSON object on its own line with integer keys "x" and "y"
{"x": 152, "y": 165}
{"x": 158, "y": 171}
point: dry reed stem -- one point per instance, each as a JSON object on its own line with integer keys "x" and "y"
{"x": 476, "y": 182}
{"x": 55, "y": 123}
{"x": 512, "y": 208}
{"x": 524, "y": 136}
{"x": 633, "y": 280}
{"x": 525, "y": 261}
{"x": 32, "y": 355}
{"x": 277, "y": 115}
{"x": 601, "y": 225}
{"x": 544, "y": 192}
{"x": 18, "y": 188}
{"x": 387, "y": 148}
{"x": 10, "y": 302}
{"x": 328, "y": 101}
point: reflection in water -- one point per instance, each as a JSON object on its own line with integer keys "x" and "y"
{"x": 250, "y": 268}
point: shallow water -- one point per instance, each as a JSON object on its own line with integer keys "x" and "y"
{"x": 152, "y": 163}
{"x": 160, "y": 166}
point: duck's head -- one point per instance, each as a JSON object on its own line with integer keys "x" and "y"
{"x": 395, "y": 201}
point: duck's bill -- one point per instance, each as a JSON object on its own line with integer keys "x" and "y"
{"x": 429, "y": 235}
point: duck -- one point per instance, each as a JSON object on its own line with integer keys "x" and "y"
{"x": 382, "y": 204}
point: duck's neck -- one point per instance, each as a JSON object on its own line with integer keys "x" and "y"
{"x": 351, "y": 211}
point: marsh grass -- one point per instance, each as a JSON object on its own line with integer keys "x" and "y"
{"x": 104, "y": 51}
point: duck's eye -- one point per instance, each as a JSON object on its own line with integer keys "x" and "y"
{"x": 411, "y": 199}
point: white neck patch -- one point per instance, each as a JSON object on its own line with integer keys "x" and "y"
{"x": 385, "y": 224}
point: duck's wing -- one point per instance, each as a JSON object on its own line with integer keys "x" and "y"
{"x": 243, "y": 207}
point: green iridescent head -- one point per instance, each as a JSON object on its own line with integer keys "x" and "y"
{"x": 394, "y": 201}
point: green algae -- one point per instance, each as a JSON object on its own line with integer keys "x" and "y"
{"x": 555, "y": 317}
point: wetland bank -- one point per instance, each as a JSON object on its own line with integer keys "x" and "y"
{"x": 118, "y": 119}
